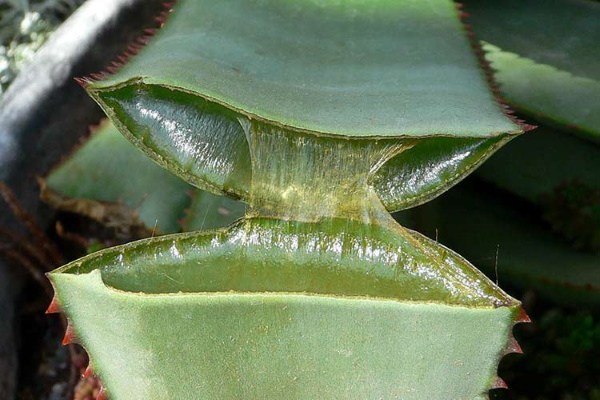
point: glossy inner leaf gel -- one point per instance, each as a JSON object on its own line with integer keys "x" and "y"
{"x": 91, "y": 182}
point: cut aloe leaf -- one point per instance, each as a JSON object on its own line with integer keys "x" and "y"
{"x": 547, "y": 57}
{"x": 270, "y": 255}
{"x": 334, "y": 59}
{"x": 320, "y": 115}
{"x": 528, "y": 254}
{"x": 284, "y": 346}
{"x": 338, "y": 70}
{"x": 108, "y": 179}
{"x": 281, "y": 310}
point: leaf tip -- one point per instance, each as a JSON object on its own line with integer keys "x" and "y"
{"x": 522, "y": 317}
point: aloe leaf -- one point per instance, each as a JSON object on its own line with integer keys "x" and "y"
{"x": 534, "y": 165}
{"x": 107, "y": 178}
{"x": 547, "y": 57}
{"x": 285, "y": 310}
{"x": 187, "y": 110}
{"x": 107, "y": 168}
{"x": 351, "y": 349}
{"x": 516, "y": 247}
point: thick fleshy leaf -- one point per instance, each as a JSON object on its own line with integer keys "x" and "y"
{"x": 107, "y": 178}
{"x": 547, "y": 93}
{"x": 536, "y": 164}
{"x": 277, "y": 309}
{"x": 516, "y": 247}
{"x": 107, "y": 168}
{"x": 547, "y": 57}
{"x": 558, "y": 174}
{"x": 337, "y": 257}
{"x": 377, "y": 68}
{"x": 322, "y": 68}
{"x": 207, "y": 146}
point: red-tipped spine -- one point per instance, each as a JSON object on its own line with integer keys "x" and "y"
{"x": 69, "y": 335}
{"x": 489, "y": 71}
{"x": 522, "y": 317}
{"x": 54, "y": 307}
{"x": 102, "y": 394}
{"x": 132, "y": 50}
{"x": 499, "y": 384}
{"x": 88, "y": 373}
{"x": 513, "y": 346}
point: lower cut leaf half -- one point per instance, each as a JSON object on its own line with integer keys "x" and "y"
{"x": 288, "y": 310}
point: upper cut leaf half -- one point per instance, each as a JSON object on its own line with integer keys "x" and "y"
{"x": 398, "y": 71}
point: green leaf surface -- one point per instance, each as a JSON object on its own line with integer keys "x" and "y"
{"x": 355, "y": 68}
{"x": 280, "y": 310}
{"x": 108, "y": 168}
{"x": 547, "y": 57}
{"x": 562, "y": 33}
{"x": 516, "y": 246}
{"x": 547, "y": 93}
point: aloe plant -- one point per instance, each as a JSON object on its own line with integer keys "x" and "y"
{"x": 323, "y": 117}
